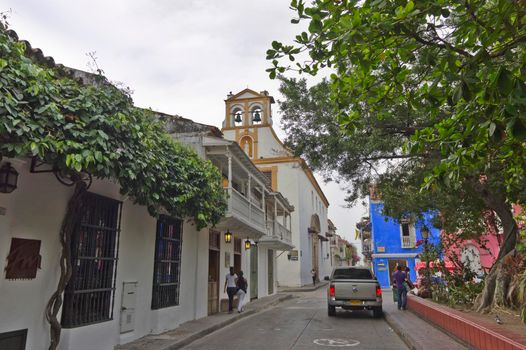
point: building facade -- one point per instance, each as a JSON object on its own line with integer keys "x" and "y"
{"x": 257, "y": 217}
{"x": 248, "y": 121}
{"x": 395, "y": 243}
{"x": 133, "y": 274}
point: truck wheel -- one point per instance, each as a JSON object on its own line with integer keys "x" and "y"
{"x": 332, "y": 310}
{"x": 378, "y": 312}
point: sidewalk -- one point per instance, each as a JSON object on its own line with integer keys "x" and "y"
{"x": 414, "y": 331}
{"x": 305, "y": 288}
{"x": 193, "y": 330}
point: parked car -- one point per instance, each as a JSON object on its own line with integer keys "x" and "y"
{"x": 354, "y": 288}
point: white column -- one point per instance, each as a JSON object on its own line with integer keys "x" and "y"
{"x": 249, "y": 196}
{"x": 229, "y": 180}
{"x": 263, "y": 199}
{"x": 275, "y": 214}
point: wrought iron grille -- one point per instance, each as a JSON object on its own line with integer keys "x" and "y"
{"x": 89, "y": 295}
{"x": 214, "y": 238}
{"x": 237, "y": 245}
{"x": 167, "y": 265}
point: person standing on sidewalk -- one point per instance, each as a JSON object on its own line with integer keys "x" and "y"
{"x": 313, "y": 273}
{"x": 230, "y": 288}
{"x": 399, "y": 278}
{"x": 241, "y": 291}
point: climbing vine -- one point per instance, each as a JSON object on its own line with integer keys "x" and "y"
{"x": 94, "y": 128}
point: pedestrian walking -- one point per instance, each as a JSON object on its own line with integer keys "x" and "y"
{"x": 241, "y": 291}
{"x": 230, "y": 288}
{"x": 313, "y": 273}
{"x": 399, "y": 277}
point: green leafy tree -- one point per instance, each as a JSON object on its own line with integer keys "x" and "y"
{"x": 459, "y": 65}
{"x": 93, "y": 128}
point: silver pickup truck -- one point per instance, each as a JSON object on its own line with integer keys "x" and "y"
{"x": 354, "y": 288}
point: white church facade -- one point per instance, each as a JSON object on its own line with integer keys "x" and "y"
{"x": 248, "y": 121}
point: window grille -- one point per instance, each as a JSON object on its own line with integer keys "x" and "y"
{"x": 268, "y": 175}
{"x": 237, "y": 245}
{"x": 405, "y": 229}
{"x": 214, "y": 240}
{"x": 89, "y": 294}
{"x": 167, "y": 265}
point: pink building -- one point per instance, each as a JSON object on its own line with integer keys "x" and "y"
{"x": 481, "y": 253}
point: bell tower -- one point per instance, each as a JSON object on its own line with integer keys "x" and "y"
{"x": 245, "y": 114}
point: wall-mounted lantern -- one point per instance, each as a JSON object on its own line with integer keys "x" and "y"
{"x": 228, "y": 236}
{"x": 8, "y": 178}
{"x": 248, "y": 245}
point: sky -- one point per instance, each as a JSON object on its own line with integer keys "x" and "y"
{"x": 178, "y": 56}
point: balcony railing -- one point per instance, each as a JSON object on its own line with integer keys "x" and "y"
{"x": 408, "y": 241}
{"x": 240, "y": 206}
{"x": 277, "y": 230}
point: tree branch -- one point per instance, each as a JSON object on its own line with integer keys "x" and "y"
{"x": 445, "y": 44}
{"x": 392, "y": 156}
{"x": 474, "y": 17}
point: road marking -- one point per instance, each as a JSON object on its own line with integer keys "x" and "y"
{"x": 340, "y": 343}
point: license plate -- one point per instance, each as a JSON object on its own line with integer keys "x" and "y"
{"x": 355, "y": 302}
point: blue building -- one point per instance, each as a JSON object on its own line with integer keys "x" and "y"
{"x": 394, "y": 242}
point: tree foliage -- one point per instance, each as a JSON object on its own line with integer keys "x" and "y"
{"x": 372, "y": 154}
{"x": 455, "y": 70}
{"x": 458, "y": 64}
{"x": 94, "y": 128}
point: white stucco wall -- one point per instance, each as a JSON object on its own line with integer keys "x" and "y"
{"x": 294, "y": 184}
{"x": 35, "y": 211}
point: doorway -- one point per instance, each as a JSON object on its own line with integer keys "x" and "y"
{"x": 270, "y": 258}
{"x": 254, "y": 272}
{"x": 237, "y": 255}
{"x": 213, "y": 272}
{"x": 315, "y": 264}
{"x": 393, "y": 263}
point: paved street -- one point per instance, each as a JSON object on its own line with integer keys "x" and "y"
{"x": 302, "y": 323}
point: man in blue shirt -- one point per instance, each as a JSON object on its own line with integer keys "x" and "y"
{"x": 399, "y": 278}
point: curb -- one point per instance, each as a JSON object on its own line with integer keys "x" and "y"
{"x": 204, "y": 332}
{"x": 300, "y": 289}
{"x": 405, "y": 336}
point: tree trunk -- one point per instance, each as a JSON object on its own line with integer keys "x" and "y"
{"x": 73, "y": 212}
{"x": 498, "y": 280}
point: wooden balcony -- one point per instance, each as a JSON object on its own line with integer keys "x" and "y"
{"x": 243, "y": 216}
{"x": 278, "y": 236}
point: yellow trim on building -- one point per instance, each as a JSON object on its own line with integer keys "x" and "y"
{"x": 274, "y": 170}
{"x": 303, "y": 165}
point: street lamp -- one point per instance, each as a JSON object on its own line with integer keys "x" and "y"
{"x": 8, "y": 178}
{"x": 425, "y": 233}
{"x": 425, "y": 236}
{"x": 228, "y": 236}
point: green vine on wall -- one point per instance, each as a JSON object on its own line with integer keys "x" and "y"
{"x": 95, "y": 128}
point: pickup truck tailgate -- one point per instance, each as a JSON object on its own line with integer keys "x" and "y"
{"x": 355, "y": 289}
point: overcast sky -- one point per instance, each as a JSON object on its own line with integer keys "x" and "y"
{"x": 178, "y": 56}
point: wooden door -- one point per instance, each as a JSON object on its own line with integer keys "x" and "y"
{"x": 253, "y": 272}
{"x": 315, "y": 265}
{"x": 213, "y": 282}
{"x": 270, "y": 271}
